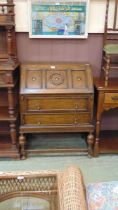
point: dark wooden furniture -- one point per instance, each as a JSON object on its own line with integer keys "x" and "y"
{"x": 8, "y": 110}
{"x": 110, "y": 42}
{"x": 7, "y": 31}
{"x": 107, "y": 98}
{"x": 56, "y": 98}
{"x": 8, "y": 82}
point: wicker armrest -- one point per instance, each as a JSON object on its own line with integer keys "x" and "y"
{"x": 71, "y": 190}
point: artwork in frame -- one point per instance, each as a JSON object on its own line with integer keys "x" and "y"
{"x": 58, "y": 18}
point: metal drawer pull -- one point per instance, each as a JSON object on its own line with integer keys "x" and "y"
{"x": 78, "y": 78}
{"x": 39, "y": 123}
{"x": 76, "y": 106}
{"x": 33, "y": 78}
{"x": 38, "y": 107}
{"x": 76, "y": 121}
{"x": 115, "y": 98}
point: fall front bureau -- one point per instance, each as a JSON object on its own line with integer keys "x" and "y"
{"x": 56, "y": 98}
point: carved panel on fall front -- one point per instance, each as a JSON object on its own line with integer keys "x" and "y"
{"x": 56, "y": 79}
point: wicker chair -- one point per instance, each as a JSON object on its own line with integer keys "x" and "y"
{"x": 110, "y": 40}
{"x": 55, "y": 190}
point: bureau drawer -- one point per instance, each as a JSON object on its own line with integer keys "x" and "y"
{"x": 49, "y": 104}
{"x": 5, "y": 78}
{"x": 111, "y": 98}
{"x": 55, "y": 119}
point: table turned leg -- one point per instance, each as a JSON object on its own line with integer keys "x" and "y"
{"x": 96, "y": 146}
{"x": 22, "y": 141}
{"x": 13, "y": 134}
{"x": 98, "y": 122}
{"x": 90, "y": 141}
{"x": 107, "y": 68}
{"x": 12, "y": 115}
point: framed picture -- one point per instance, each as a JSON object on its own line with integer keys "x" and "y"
{"x": 58, "y": 18}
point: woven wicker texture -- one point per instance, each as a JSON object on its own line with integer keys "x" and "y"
{"x": 67, "y": 186}
{"x": 71, "y": 190}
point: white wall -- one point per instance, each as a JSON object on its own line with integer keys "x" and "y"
{"x": 96, "y": 15}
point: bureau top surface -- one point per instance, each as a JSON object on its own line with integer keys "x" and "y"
{"x": 41, "y": 78}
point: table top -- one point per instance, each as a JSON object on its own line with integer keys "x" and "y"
{"x": 112, "y": 84}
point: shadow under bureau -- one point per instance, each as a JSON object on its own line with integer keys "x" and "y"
{"x": 56, "y": 98}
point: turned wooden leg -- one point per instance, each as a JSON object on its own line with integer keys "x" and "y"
{"x": 96, "y": 145}
{"x": 90, "y": 141}
{"x": 11, "y": 109}
{"x": 107, "y": 68}
{"x": 99, "y": 111}
{"x": 97, "y": 128}
{"x": 13, "y": 134}
{"x": 22, "y": 141}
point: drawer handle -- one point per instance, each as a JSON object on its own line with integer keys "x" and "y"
{"x": 38, "y": 107}
{"x": 39, "y": 123}
{"x": 33, "y": 78}
{"x": 76, "y": 106}
{"x": 76, "y": 121}
{"x": 114, "y": 98}
{"x": 78, "y": 78}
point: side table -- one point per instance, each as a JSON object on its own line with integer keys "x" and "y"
{"x": 107, "y": 98}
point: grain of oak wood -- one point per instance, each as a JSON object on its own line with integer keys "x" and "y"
{"x": 56, "y": 97}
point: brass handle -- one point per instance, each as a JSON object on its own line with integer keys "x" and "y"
{"x": 75, "y": 122}
{"x": 38, "y": 107}
{"x": 33, "y": 78}
{"x": 114, "y": 98}
{"x": 78, "y": 78}
{"x": 39, "y": 123}
{"x": 76, "y": 106}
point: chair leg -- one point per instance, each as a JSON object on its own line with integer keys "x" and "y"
{"x": 102, "y": 66}
{"x": 107, "y": 69}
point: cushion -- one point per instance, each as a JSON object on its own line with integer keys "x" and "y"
{"x": 111, "y": 48}
{"x": 102, "y": 196}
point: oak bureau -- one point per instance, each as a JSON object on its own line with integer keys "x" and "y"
{"x": 56, "y": 97}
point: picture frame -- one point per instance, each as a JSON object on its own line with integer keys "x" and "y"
{"x": 58, "y": 19}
